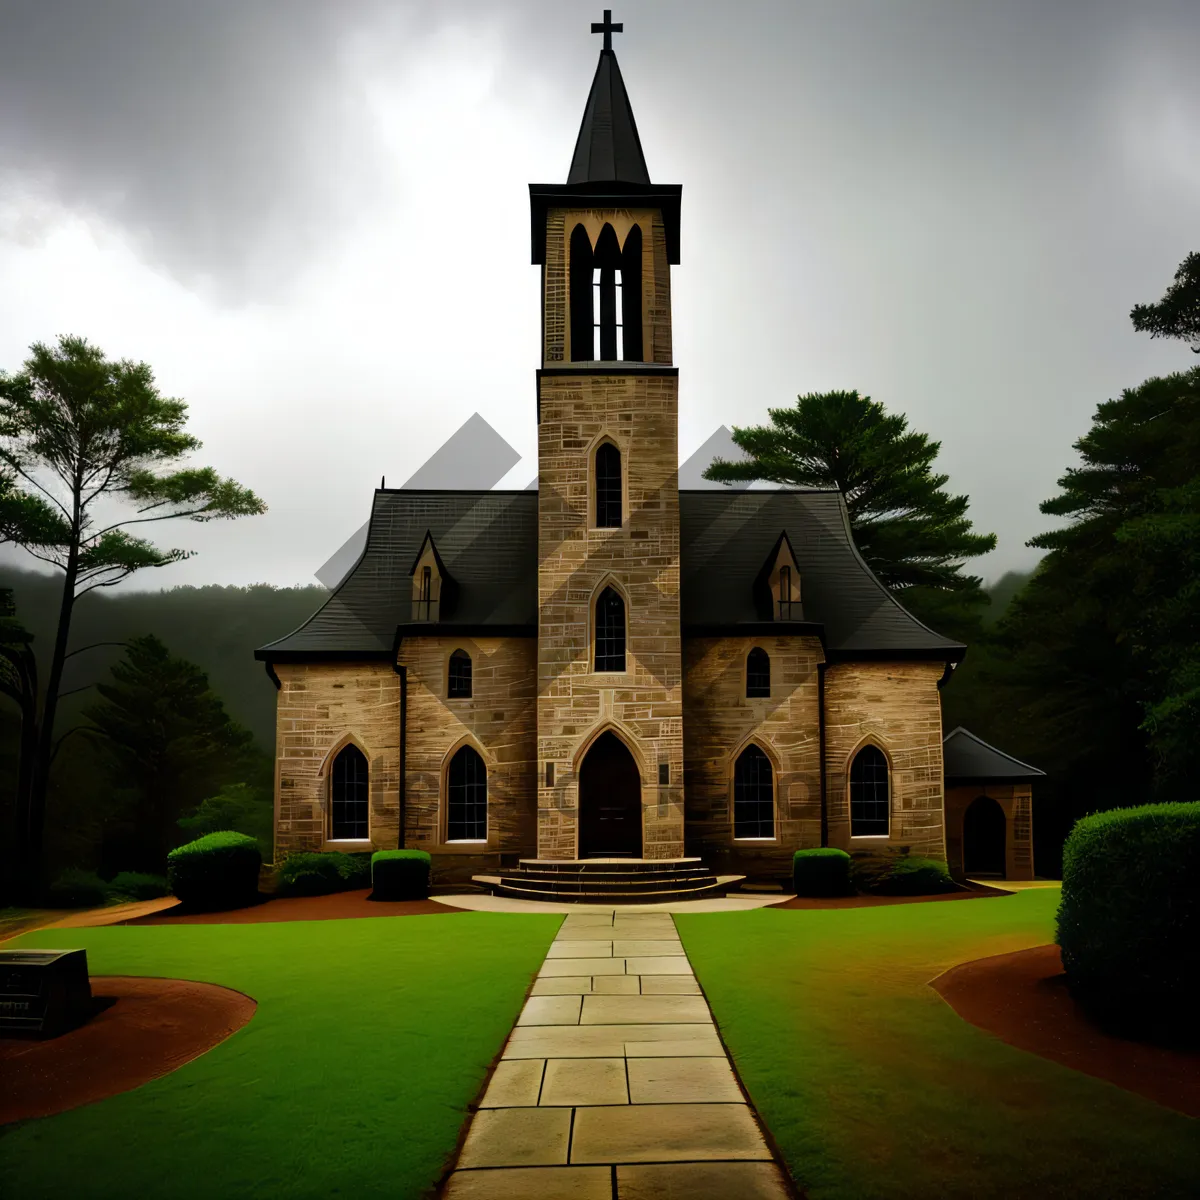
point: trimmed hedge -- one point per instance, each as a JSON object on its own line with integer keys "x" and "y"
{"x": 1129, "y": 918}
{"x": 317, "y": 874}
{"x": 901, "y": 875}
{"x": 219, "y": 870}
{"x": 400, "y": 874}
{"x": 77, "y": 889}
{"x": 135, "y": 885}
{"x": 821, "y": 872}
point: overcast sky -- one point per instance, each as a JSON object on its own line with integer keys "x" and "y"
{"x": 311, "y": 218}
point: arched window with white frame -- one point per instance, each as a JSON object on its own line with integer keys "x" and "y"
{"x": 870, "y": 801}
{"x": 349, "y": 796}
{"x": 466, "y": 797}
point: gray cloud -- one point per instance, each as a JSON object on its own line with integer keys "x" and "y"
{"x": 311, "y": 216}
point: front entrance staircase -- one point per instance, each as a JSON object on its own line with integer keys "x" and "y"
{"x": 609, "y": 880}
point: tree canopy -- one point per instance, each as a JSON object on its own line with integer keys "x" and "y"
{"x": 913, "y": 534}
{"x": 1177, "y": 314}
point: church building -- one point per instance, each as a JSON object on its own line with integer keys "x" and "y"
{"x": 605, "y": 666}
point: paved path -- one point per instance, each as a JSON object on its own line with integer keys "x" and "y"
{"x": 614, "y": 1085}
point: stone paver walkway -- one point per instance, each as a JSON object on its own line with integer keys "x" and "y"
{"x": 614, "y": 1084}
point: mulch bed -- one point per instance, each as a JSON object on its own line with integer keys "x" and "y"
{"x": 335, "y": 907}
{"x": 144, "y": 1028}
{"x": 866, "y": 901}
{"x": 1023, "y": 999}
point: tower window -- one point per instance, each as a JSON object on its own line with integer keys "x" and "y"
{"x": 753, "y": 795}
{"x": 608, "y": 486}
{"x": 606, "y": 296}
{"x": 459, "y": 681}
{"x": 869, "y": 800}
{"x": 610, "y": 631}
{"x": 758, "y": 673}
{"x": 466, "y": 799}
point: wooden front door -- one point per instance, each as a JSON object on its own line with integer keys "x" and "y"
{"x": 610, "y": 801}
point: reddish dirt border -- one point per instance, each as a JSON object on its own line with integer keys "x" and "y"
{"x": 335, "y": 907}
{"x": 866, "y": 901}
{"x": 1023, "y": 999}
{"x": 146, "y": 1028}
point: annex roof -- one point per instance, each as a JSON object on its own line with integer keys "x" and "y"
{"x": 488, "y": 543}
{"x": 969, "y": 758}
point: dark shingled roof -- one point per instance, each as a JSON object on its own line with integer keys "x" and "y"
{"x": 725, "y": 538}
{"x": 608, "y": 148}
{"x": 969, "y": 758}
{"x": 488, "y": 543}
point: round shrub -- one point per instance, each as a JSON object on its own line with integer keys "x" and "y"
{"x": 1129, "y": 918}
{"x": 821, "y": 872}
{"x": 309, "y": 874}
{"x": 134, "y": 885}
{"x": 400, "y": 874}
{"x": 913, "y": 876}
{"x": 219, "y": 870}
{"x": 77, "y": 889}
{"x": 355, "y": 869}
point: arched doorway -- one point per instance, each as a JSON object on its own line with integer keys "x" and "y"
{"x": 610, "y": 801}
{"x": 983, "y": 838}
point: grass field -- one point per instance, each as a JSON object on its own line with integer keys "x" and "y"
{"x": 874, "y": 1088}
{"x": 352, "y": 1079}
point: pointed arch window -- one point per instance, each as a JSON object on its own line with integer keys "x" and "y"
{"x": 608, "y": 486}
{"x": 869, "y": 793}
{"x": 758, "y": 673}
{"x": 466, "y": 797}
{"x": 458, "y": 683}
{"x": 753, "y": 795}
{"x": 606, "y": 296}
{"x": 610, "y": 631}
{"x": 349, "y": 796}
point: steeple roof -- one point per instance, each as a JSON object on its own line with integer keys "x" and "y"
{"x": 608, "y": 148}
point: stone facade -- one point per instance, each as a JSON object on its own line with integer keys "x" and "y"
{"x": 896, "y": 706}
{"x": 498, "y": 720}
{"x": 321, "y": 707}
{"x": 720, "y": 721}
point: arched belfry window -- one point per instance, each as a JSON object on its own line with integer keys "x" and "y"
{"x": 608, "y": 486}
{"x": 349, "y": 796}
{"x": 753, "y": 795}
{"x": 869, "y": 801}
{"x": 606, "y": 296}
{"x": 610, "y": 631}
{"x": 466, "y": 797}
{"x": 458, "y": 683}
{"x": 758, "y": 673}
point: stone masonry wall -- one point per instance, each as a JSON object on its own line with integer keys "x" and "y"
{"x": 719, "y": 720}
{"x": 644, "y": 705}
{"x": 318, "y": 705}
{"x": 898, "y": 707}
{"x": 498, "y": 720}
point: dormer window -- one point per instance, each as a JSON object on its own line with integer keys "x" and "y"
{"x": 785, "y": 594}
{"x": 432, "y": 587}
{"x": 778, "y": 584}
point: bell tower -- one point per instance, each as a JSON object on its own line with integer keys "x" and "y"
{"x": 609, "y": 709}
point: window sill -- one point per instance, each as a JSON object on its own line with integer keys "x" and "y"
{"x": 870, "y": 837}
{"x": 756, "y": 839}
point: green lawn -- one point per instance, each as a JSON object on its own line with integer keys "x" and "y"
{"x": 874, "y": 1088}
{"x": 352, "y": 1079}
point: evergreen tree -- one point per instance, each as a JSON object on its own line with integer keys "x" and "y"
{"x": 913, "y": 534}
{"x": 167, "y": 743}
{"x": 78, "y": 432}
{"x": 1177, "y": 314}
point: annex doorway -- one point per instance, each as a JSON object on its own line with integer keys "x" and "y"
{"x": 610, "y": 801}
{"x": 983, "y": 838}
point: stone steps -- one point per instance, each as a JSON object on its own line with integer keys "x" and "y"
{"x": 609, "y": 881}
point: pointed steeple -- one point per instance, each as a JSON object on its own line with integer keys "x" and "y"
{"x": 608, "y": 148}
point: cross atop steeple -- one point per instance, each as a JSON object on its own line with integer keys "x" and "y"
{"x": 607, "y": 28}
